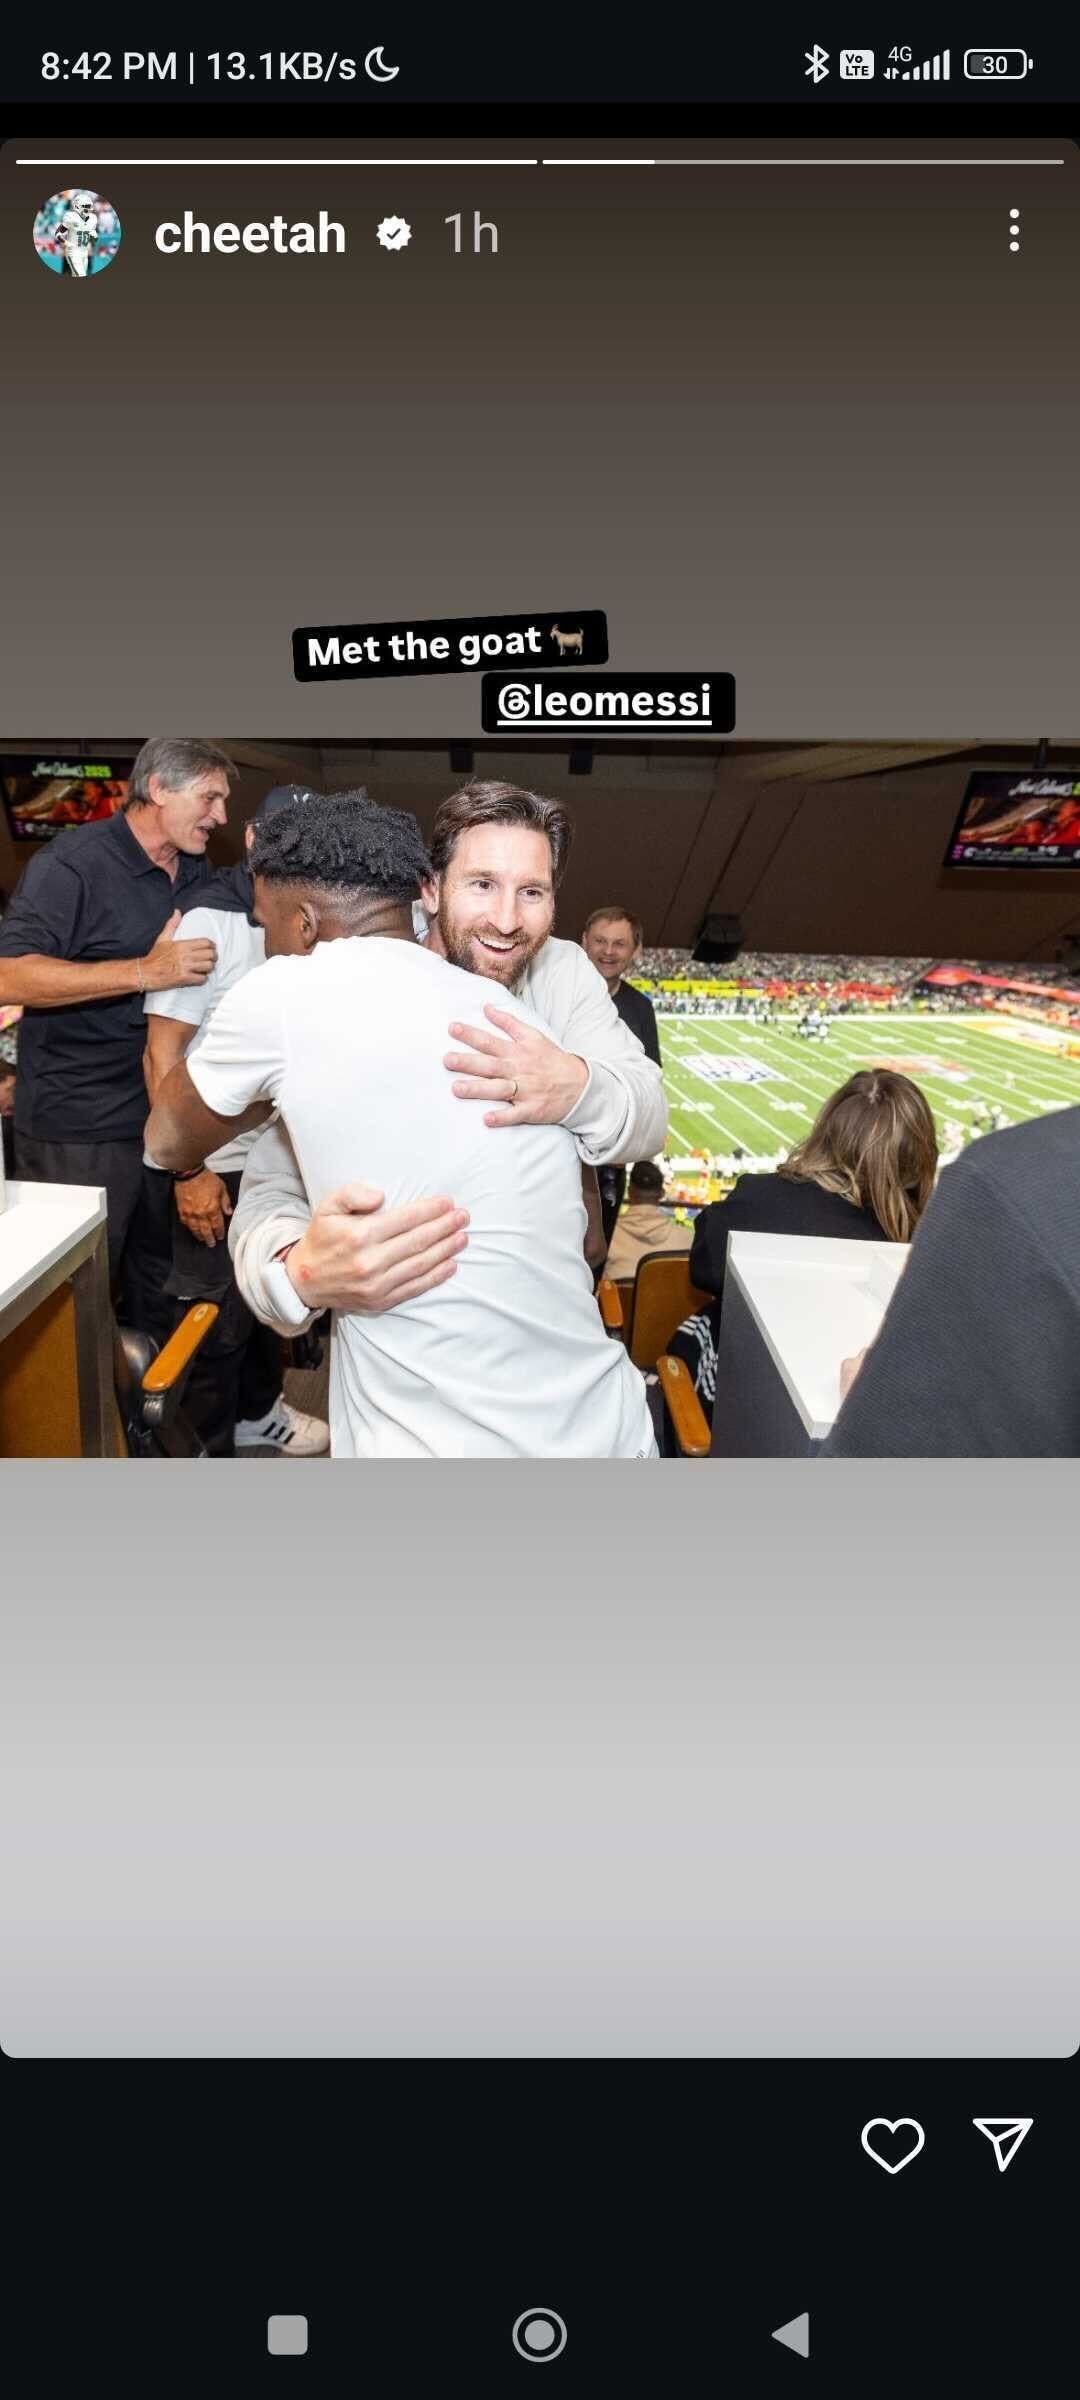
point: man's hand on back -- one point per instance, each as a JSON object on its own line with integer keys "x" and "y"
{"x": 173, "y": 964}
{"x": 360, "y": 1257}
{"x": 537, "y": 1082}
{"x": 203, "y": 1204}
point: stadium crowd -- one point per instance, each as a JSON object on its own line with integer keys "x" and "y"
{"x": 801, "y": 971}
{"x": 839, "y": 986}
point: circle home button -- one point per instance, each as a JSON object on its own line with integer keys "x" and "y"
{"x": 539, "y": 2336}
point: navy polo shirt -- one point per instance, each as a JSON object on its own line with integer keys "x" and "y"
{"x": 228, "y": 889}
{"x": 93, "y": 894}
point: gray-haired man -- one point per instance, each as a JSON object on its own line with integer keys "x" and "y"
{"x": 93, "y": 927}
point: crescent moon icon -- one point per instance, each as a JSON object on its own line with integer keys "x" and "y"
{"x": 375, "y": 65}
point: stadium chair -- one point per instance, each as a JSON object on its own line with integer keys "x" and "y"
{"x": 690, "y": 1424}
{"x": 609, "y": 1296}
{"x": 150, "y": 1386}
{"x": 651, "y": 1307}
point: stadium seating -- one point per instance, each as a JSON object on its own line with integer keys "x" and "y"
{"x": 648, "y": 1310}
{"x": 692, "y": 1430}
{"x": 150, "y": 1386}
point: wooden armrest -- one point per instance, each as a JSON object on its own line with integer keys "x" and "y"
{"x": 611, "y": 1308}
{"x": 174, "y": 1360}
{"x": 692, "y": 1429}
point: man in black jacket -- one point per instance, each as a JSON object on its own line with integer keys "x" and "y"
{"x": 611, "y": 942}
{"x": 979, "y": 1353}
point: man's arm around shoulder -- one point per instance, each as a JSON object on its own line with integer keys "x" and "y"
{"x": 351, "y": 1253}
{"x": 622, "y": 1113}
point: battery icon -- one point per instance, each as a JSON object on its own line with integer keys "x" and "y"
{"x": 997, "y": 66}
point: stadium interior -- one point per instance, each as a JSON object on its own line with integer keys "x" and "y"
{"x": 845, "y": 942}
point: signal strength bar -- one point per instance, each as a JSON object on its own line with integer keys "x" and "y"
{"x": 933, "y": 70}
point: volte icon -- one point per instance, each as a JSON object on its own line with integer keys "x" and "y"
{"x": 1006, "y": 2134}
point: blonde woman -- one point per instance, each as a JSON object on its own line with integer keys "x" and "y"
{"x": 864, "y": 1173}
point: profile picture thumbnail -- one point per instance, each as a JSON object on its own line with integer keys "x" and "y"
{"x": 77, "y": 232}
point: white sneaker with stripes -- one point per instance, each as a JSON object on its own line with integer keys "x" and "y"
{"x": 285, "y": 1430}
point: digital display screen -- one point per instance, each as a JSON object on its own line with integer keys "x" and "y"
{"x": 42, "y": 796}
{"x": 1018, "y": 821}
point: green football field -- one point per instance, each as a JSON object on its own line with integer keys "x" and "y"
{"x": 759, "y": 1087}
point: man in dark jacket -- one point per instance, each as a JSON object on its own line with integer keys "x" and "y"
{"x": 979, "y": 1353}
{"x": 612, "y": 942}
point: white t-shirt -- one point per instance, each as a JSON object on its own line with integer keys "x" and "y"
{"x": 509, "y": 1358}
{"x": 240, "y": 947}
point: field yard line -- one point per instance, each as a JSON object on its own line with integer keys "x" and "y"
{"x": 689, "y": 1102}
{"x": 989, "y": 1084}
{"x": 955, "y": 1095}
{"x": 774, "y": 1130}
{"x": 999, "y": 1054}
{"x": 1062, "y": 1077}
{"x": 736, "y": 1105}
{"x": 1022, "y": 1059}
{"x": 979, "y": 1084}
{"x": 729, "y": 1115}
{"x": 731, "y": 1097}
{"x": 977, "y": 1066}
{"x": 689, "y": 1105}
{"x": 829, "y": 1081}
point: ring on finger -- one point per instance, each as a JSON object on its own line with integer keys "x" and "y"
{"x": 513, "y": 1090}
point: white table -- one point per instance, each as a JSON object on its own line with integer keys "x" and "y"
{"x": 794, "y": 1307}
{"x": 54, "y": 1233}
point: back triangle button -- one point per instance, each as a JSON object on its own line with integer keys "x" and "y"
{"x": 795, "y": 2335}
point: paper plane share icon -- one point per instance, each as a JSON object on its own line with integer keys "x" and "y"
{"x": 1006, "y": 2134}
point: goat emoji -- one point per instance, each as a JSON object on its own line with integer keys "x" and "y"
{"x": 566, "y": 642}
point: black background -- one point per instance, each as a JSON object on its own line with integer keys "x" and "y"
{"x": 157, "y": 2213}
{"x": 672, "y": 2214}
{"x": 484, "y": 53}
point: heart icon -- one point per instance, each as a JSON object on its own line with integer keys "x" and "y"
{"x": 892, "y": 2142}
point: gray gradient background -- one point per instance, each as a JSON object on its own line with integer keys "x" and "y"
{"x": 815, "y": 425}
{"x": 420, "y": 1762}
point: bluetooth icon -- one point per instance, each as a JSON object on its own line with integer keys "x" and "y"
{"x": 817, "y": 63}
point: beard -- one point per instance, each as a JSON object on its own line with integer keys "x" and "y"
{"x": 462, "y": 947}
